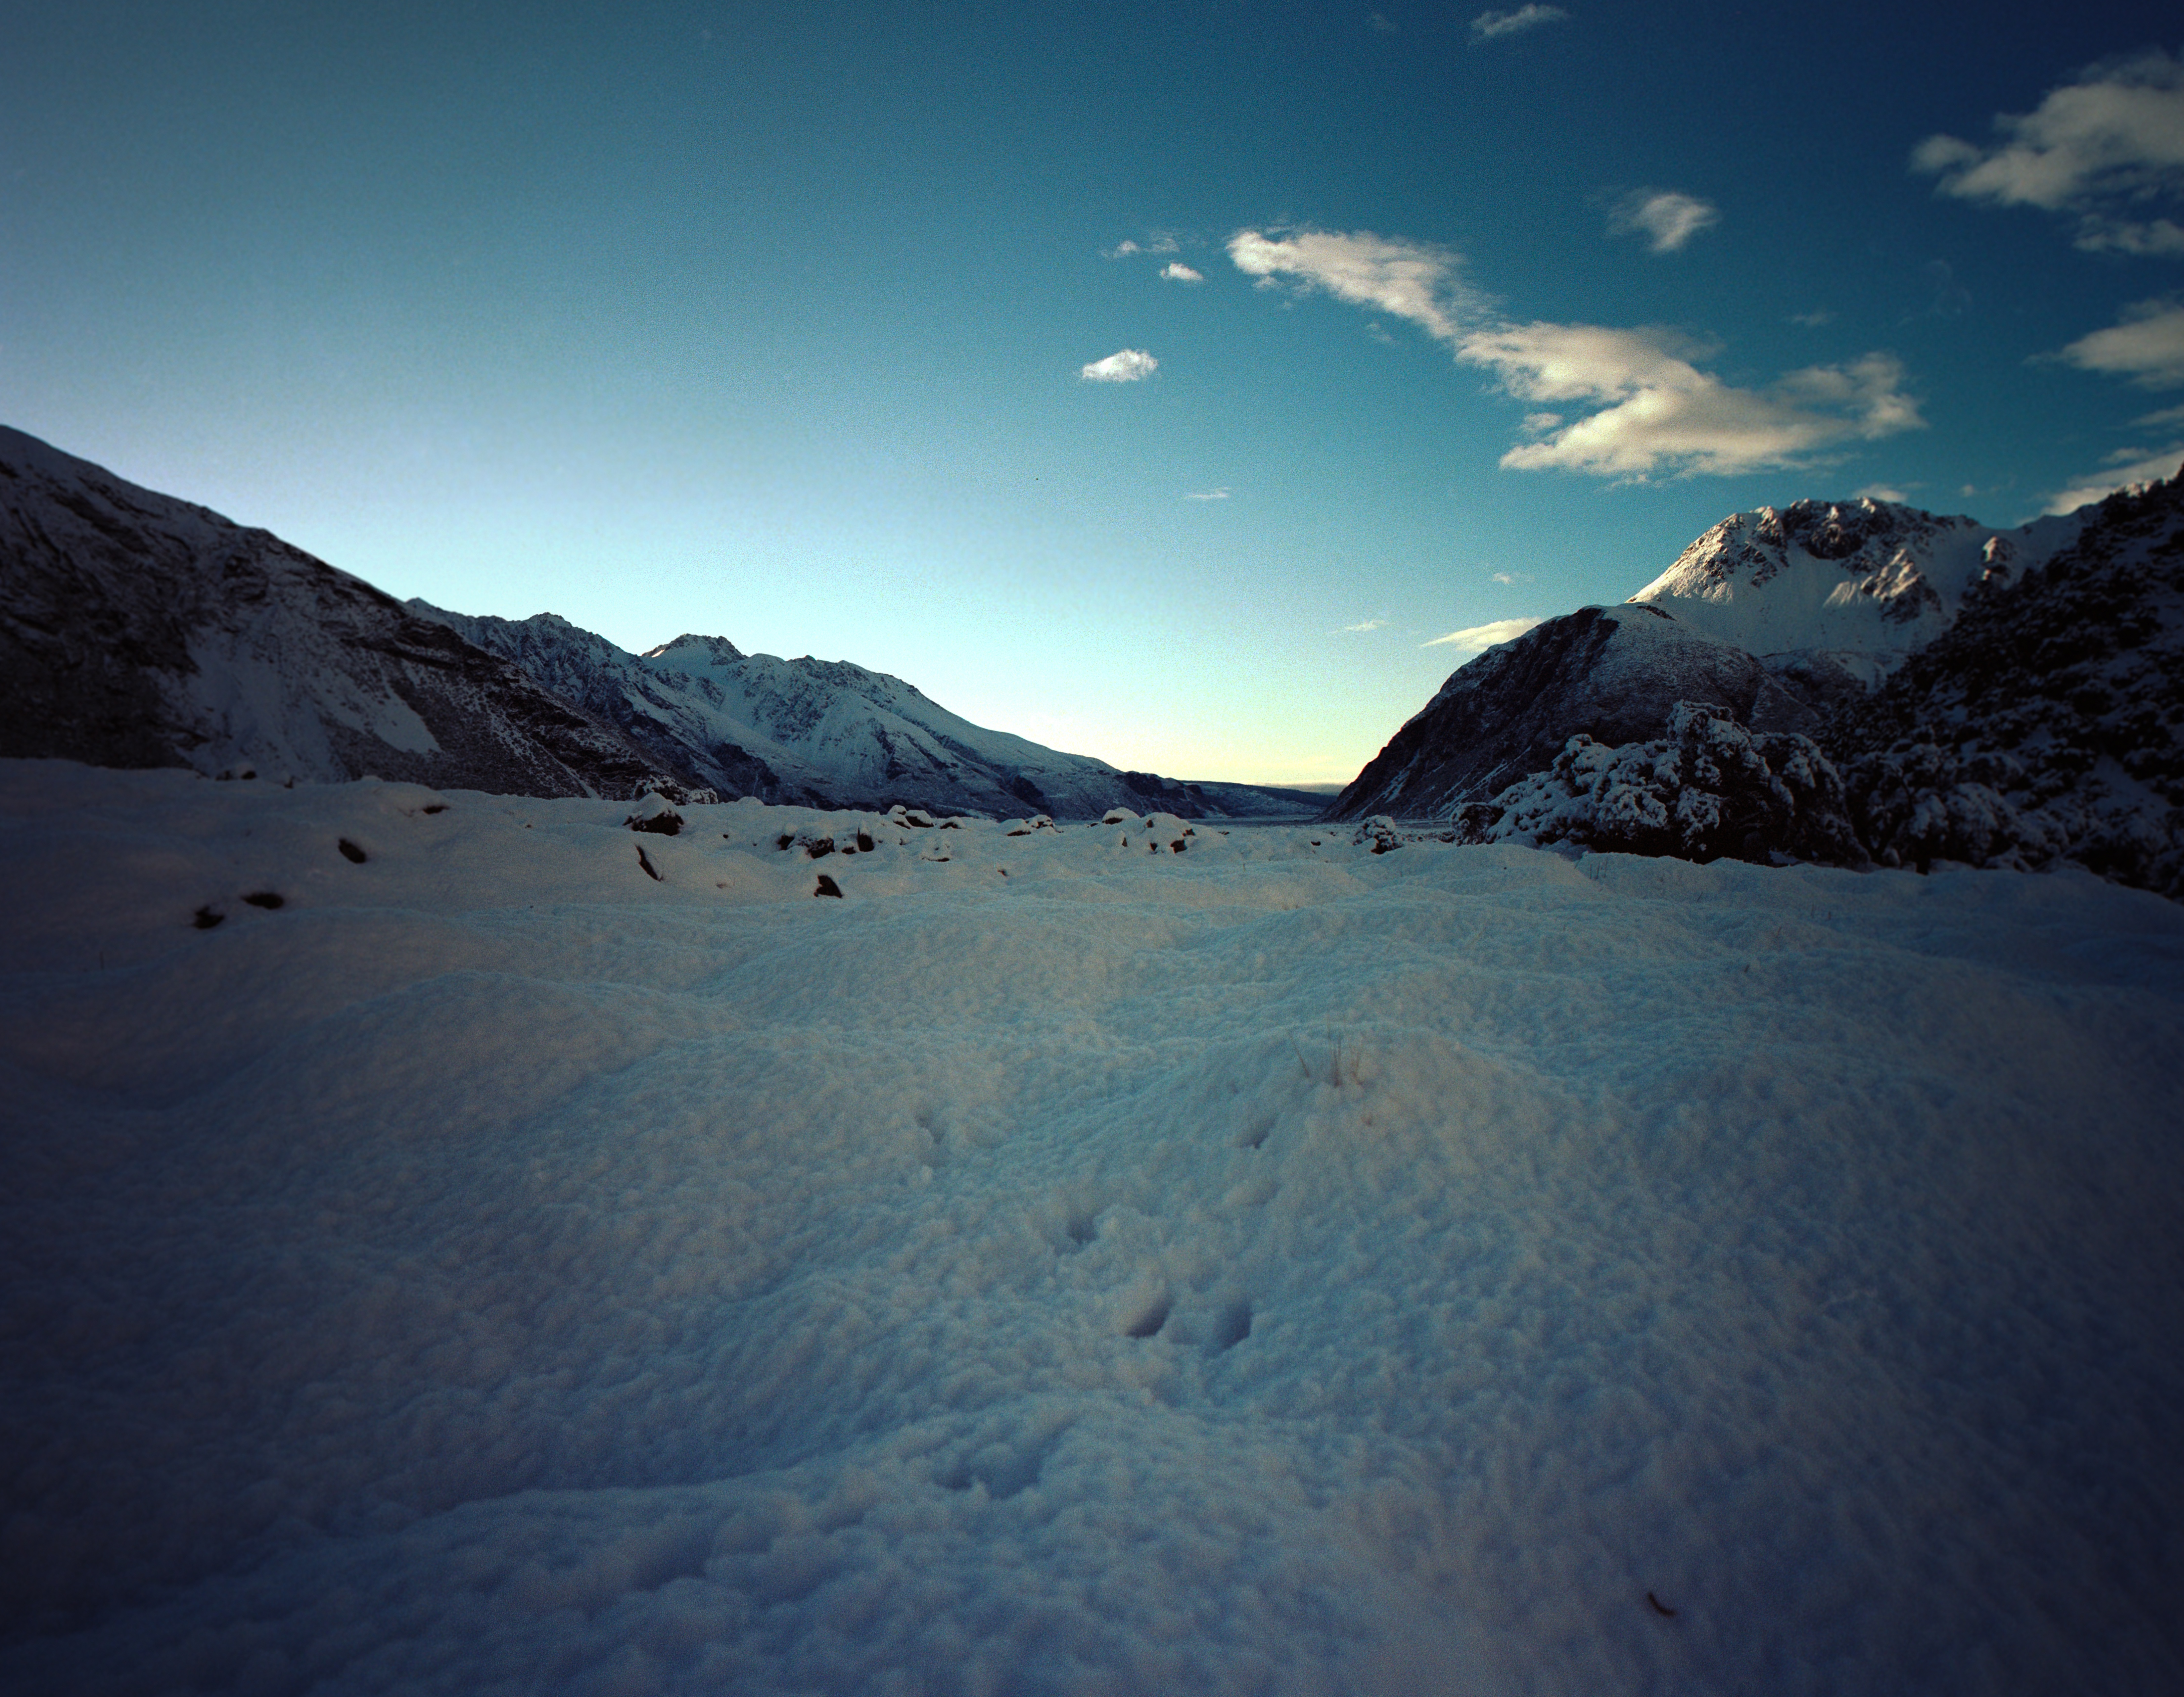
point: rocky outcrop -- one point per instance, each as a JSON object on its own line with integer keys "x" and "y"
{"x": 1612, "y": 673}
{"x": 2047, "y": 724}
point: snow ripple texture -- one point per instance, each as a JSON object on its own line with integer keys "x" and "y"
{"x": 539, "y": 1256}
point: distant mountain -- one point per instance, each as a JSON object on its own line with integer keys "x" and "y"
{"x": 826, "y": 732}
{"x": 2025, "y": 707}
{"x": 138, "y": 629}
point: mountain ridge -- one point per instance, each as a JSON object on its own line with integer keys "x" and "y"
{"x": 139, "y": 629}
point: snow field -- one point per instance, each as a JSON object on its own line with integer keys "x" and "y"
{"x": 1269, "y": 1267}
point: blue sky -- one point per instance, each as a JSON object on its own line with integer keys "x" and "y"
{"x": 794, "y": 322}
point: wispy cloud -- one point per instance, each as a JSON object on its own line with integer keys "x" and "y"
{"x": 1513, "y": 578}
{"x": 2146, "y": 346}
{"x": 1476, "y": 639}
{"x": 1177, "y": 272}
{"x": 1880, "y": 492}
{"x": 1813, "y": 320}
{"x": 1415, "y": 280}
{"x": 2124, "y": 468}
{"x": 1491, "y": 26}
{"x": 1362, "y": 626}
{"x": 2160, "y": 420}
{"x": 1645, "y": 407}
{"x": 1668, "y": 218}
{"x": 1375, "y": 20}
{"x": 1220, "y": 494}
{"x": 1658, "y": 412}
{"x": 2103, "y": 148}
{"x": 1126, "y": 365}
{"x": 1152, "y": 244}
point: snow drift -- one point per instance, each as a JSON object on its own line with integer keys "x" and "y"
{"x": 529, "y": 1254}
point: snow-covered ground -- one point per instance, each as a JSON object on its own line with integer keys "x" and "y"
{"x": 1063, "y": 1264}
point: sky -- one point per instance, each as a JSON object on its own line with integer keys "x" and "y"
{"x": 1193, "y": 385}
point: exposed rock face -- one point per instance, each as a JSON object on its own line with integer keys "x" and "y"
{"x": 137, "y": 630}
{"x": 826, "y": 732}
{"x": 1613, "y": 673}
{"x": 2048, "y": 723}
{"x": 1709, "y": 789}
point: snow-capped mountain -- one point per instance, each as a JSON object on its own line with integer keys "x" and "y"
{"x": 2028, "y": 711}
{"x": 1859, "y": 584}
{"x": 138, "y": 629}
{"x": 826, "y": 732}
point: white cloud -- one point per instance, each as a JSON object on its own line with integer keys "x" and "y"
{"x": 1127, "y": 365}
{"x": 1476, "y": 639}
{"x": 2146, "y": 346}
{"x": 1177, "y": 272}
{"x": 1487, "y": 25}
{"x": 1652, "y": 409}
{"x": 1668, "y": 218}
{"x": 1813, "y": 320}
{"x": 2104, "y": 148}
{"x": 1366, "y": 625}
{"x": 2160, "y": 420}
{"x": 1880, "y": 492}
{"x": 1512, "y": 578}
{"x": 1122, "y": 250}
{"x": 2123, "y": 472}
{"x": 1220, "y": 494}
{"x": 1661, "y": 413}
{"x": 1410, "y": 279}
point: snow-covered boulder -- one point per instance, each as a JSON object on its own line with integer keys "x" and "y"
{"x": 1708, "y": 790}
{"x": 654, "y": 812}
{"x": 677, "y": 792}
{"x": 1379, "y": 833}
